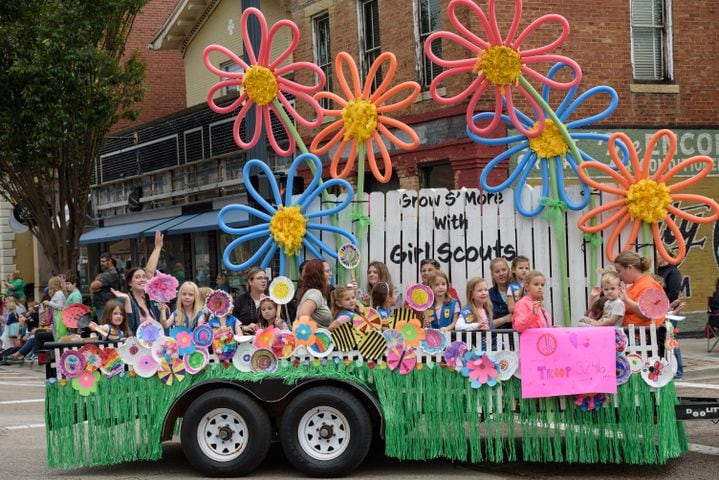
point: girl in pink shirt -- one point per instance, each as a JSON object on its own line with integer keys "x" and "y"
{"x": 529, "y": 311}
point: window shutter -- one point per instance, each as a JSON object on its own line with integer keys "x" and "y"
{"x": 647, "y": 17}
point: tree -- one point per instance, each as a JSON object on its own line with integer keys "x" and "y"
{"x": 64, "y": 81}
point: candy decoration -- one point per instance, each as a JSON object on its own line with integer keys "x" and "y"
{"x": 367, "y": 319}
{"x": 162, "y": 287}
{"x": 433, "y": 342}
{"x": 263, "y": 360}
{"x": 71, "y": 363}
{"x": 149, "y": 332}
{"x": 196, "y": 361}
{"x": 219, "y": 303}
{"x": 322, "y": 346}
{"x": 419, "y": 297}
{"x": 203, "y": 335}
{"x": 402, "y": 358}
{"x": 93, "y": 360}
{"x": 373, "y": 345}
{"x": 243, "y": 357}
{"x": 282, "y": 290}
{"x": 72, "y": 313}
{"x": 170, "y": 372}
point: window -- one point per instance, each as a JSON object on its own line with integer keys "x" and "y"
{"x": 437, "y": 175}
{"x": 651, "y": 40}
{"x": 369, "y": 38}
{"x": 230, "y": 66}
{"x": 428, "y": 16}
{"x": 322, "y": 51}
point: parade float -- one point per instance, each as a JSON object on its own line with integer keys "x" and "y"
{"x": 584, "y": 395}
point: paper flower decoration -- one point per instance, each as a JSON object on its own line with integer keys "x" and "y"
{"x": 171, "y": 371}
{"x": 263, "y": 360}
{"x": 621, "y": 339}
{"x": 202, "y": 336}
{"x": 224, "y": 344}
{"x": 322, "y": 346}
{"x": 361, "y": 118}
{"x": 146, "y": 366}
{"x": 71, "y": 363}
{"x": 304, "y": 330}
{"x": 434, "y": 341}
{"x": 419, "y": 297}
{"x": 497, "y": 63}
{"x": 411, "y": 331}
{"x": 183, "y": 339}
{"x": 196, "y": 361}
{"x": 219, "y": 303}
{"x": 590, "y": 401}
{"x": 282, "y": 290}
{"x": 479, "y": 369}
{"x": 165, "y": 349}
{"x": 289, "y": 226}
{"x": 454, "y": 353}
{"x": 548, "y": 150}
{"x": 111, "y": 362}
{"x": 646, "y": 197}
{"x": 131, "y": 350}
{"x": 653, "y": 303}
{"x": 624, "y": 370}
{"x": 93, "y": 360}
{"x": 243, "y": 357}
{"x": 262, "y": 81}
{"x": 86, "y": 382}
{"x": 283, "y": 344}
{"x": 264, "y": 336}
{"x": 162, "y": 287}
{"x": 657, "y": 372}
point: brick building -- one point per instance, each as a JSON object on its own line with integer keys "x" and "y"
{"x": 657, "y": 56}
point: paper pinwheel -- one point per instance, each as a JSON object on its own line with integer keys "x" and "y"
{"x": 288, "y": 226}
{"x": 266, "y": 83}
{"x": 646, "y": 197}
{"x": 497, "y": 63}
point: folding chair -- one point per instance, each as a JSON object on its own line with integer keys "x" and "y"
{"x": 711, "y": 330}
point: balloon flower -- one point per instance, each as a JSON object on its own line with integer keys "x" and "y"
{"x": 498, "y": 64}
{"x": 646, "y": 197}
{"x": 266, "y": 83}
{"x": 287, "y": 226}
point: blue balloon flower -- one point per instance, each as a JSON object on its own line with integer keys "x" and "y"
{"x": 535, "y": 150}
{"x": 265, "y": 229}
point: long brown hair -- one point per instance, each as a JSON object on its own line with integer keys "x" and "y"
{"x": 313, "y": 276}
{"x": 110, "y": 306}
{"x": 382, "y": 273}
{"x": 627, "y": 258}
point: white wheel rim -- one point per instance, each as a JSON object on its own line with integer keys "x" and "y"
{"x": 324, "y": 433}
{"x": 222, "y": 434}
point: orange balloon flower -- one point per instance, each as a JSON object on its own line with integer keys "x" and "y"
{"x": 646, "y": 197}
{"x": 362, "y": 119}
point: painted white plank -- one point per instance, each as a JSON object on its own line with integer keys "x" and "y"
{"x": 473, "y": 212}
{"x": 393, "y": 235}
{"x": 577, "y": 260}
{"x": 490, "y": 233}
{"x": 424, "y": 239}
{"x": 458, "y": 241}
{"x": 376, "y": 238}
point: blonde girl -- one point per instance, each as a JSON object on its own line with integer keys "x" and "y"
{"x": 499, "y": 269}
{"x": 529, "y": 312}
{"x": 613, "y": 309}
{"x": 477, "y": 314}
{"x": 344, "y": 306}
{"x": 56, "y": 292}
{"x": 519, "y": 271}
{"x": 115, "y": 321}
{"x": 189, "y": 311}
{"x": 445, "y": 310}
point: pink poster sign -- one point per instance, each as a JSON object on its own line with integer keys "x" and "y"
{"x": 567, "y": 361}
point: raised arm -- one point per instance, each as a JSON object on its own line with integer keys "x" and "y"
{"x": 151, "y": 266}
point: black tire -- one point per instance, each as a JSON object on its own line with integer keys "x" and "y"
{"x": 229, "y": 413}
{"x": 326, "y": 432}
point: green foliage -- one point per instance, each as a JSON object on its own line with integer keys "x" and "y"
{"x": 65, "y": 81}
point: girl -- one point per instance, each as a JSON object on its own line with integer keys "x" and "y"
{"x": 445, "y": 311}
{"x": 520, "y": 269}
{"x": 499, "y": 269}
{"x": 344, "y": 306}
{"x": 529, "y": 311}
{"x": 613, "y": 310}
{"x": 115, "y": 318}
{"x": 377, "y": 272}
{"x": 56, "y": 291}
{"x": 429, "y": 265}
{"x": 477, "y": 315}
{"x": 384, "y": 298}
{"x": 11, "y": 316}
{"x": 269, "y": 314}
{"x": 189, "y": 312}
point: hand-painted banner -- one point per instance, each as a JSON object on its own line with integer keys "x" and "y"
{"x": 567, "y": 361}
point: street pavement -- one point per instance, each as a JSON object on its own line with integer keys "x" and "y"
{"x": 22, "y": 442}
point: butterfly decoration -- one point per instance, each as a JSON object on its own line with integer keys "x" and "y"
{"x": 402, "y": 358}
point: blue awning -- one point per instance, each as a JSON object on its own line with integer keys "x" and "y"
{"x": 172, "y": 222}
{"x": 204, "y": 222}
{"x": 120, "y": 232}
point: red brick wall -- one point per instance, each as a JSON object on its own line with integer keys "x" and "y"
{"x": 165, "y": 74}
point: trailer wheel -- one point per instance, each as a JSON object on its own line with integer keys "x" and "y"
{"x": 326, "y": 431}
{"x": 225, "y": 433}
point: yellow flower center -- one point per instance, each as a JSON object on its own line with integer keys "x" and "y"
{"x": 288, "y": 227}
{"x": 647, "y": 200}
{"x": 360, "y": 119}
{"x": 550, "y": 142}
{"x": 260, "y": 84}
{"x": 501, "y": 65}
{"x": 281, "y": 290}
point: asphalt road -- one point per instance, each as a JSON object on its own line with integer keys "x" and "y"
{"x": 22, "y": 442}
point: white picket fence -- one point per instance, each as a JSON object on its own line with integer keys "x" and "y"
{"x": 407, "y": 226}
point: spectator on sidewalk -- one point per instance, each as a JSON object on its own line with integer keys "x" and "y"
{"x": 104, "y": 283}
